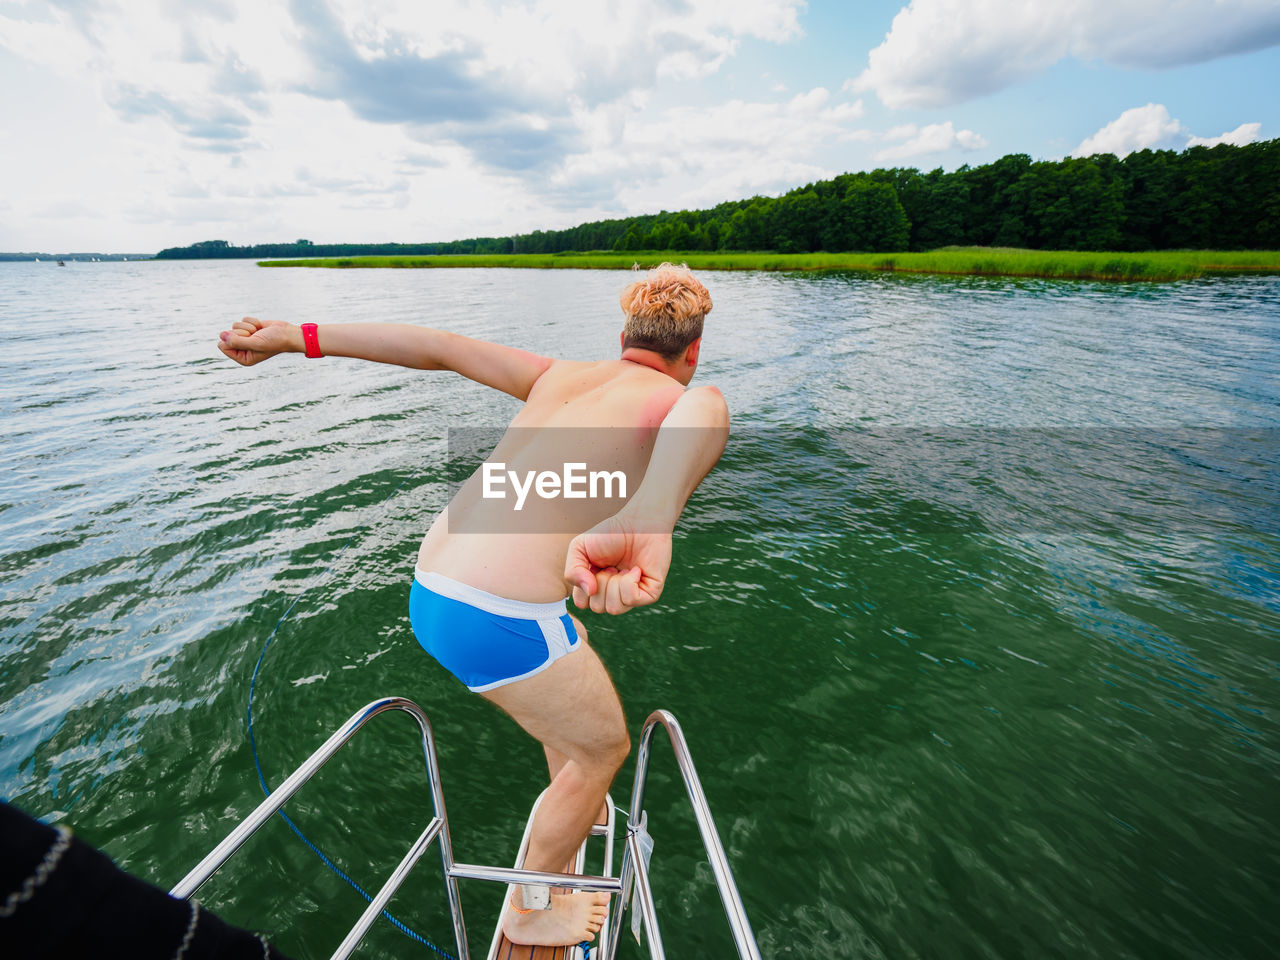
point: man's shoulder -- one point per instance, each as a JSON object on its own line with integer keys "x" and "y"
{"x": 562, "y": 366}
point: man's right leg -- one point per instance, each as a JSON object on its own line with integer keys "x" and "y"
{"x": 573, "y": 709}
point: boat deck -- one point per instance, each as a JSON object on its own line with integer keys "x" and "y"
{"x": 514, "y": 951}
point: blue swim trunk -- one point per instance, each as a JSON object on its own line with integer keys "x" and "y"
{"x": 484, "y": 640}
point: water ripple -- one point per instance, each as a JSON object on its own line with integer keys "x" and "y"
{"x": 973, "y": 630}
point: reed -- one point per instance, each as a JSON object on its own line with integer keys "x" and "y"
{"x": 964, "y": 261}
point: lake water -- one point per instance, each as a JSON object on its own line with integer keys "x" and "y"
{"x": 973, "y": 631}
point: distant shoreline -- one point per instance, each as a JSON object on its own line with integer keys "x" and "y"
{"x": 1158, "y": 265}
{"x": 73, "y": 257}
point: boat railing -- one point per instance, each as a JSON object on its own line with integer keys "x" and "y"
{"x": 633, "y": 872}
{"x": 635, "y": 862}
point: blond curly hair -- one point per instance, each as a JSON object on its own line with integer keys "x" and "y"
{"x": 664, "y": 311}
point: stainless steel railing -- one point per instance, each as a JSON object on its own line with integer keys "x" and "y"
{"x": 634, "y": 869}
{"x": 635, "y": 866}
{"x": 438, "y": 828}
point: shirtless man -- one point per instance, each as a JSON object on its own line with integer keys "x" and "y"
{"x": 489, "y": 603}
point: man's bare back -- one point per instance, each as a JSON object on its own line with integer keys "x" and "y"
{"x": 571, "y": 408}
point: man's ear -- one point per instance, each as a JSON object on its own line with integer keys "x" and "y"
{"x": 691, "y": 352}
{"x": 622, "y": 339}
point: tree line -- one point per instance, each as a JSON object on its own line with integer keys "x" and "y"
{"x": 1223, "y": 197}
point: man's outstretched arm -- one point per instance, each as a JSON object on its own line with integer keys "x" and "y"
{"x": 508, "y": 369}
{"x": 622, "y": 562}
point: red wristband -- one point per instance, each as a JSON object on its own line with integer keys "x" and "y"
{"x": 311, "y": 340}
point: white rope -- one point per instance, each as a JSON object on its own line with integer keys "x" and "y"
{"x": 41, "y": 874}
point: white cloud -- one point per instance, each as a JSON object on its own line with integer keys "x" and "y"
{"x": 1151, "y": 127}
{"x": 504, "y": 80}
{"x": 591, "y": 50}
{"x": 48, "y": 42}
{"x": 727, "y": 151}
{"x": 1136, "y": 129}
{"x": 934, "y": 138}
{"x": 943, "y": 52}
{"x": 1241, "y": 135}
{"x": 460, "y": 117}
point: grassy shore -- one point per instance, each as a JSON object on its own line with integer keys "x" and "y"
{"x": 981, "y": 261}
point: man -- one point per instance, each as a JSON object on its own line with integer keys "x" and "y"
{"x": 488, "y": 598}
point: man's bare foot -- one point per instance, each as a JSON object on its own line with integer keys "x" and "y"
{"x": 573, "y": 917}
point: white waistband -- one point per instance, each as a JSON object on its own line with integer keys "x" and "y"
{"x": 489, "y": 602}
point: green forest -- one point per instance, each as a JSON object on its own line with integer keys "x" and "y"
{"x": 1223, "y": 197}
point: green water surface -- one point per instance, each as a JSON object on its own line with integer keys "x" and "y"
{"x": 973, "y": 631}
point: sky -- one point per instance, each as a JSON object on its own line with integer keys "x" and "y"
{"x": 132, "y": 125}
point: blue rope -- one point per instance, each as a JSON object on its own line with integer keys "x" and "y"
{"x": 262, "y": 780}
